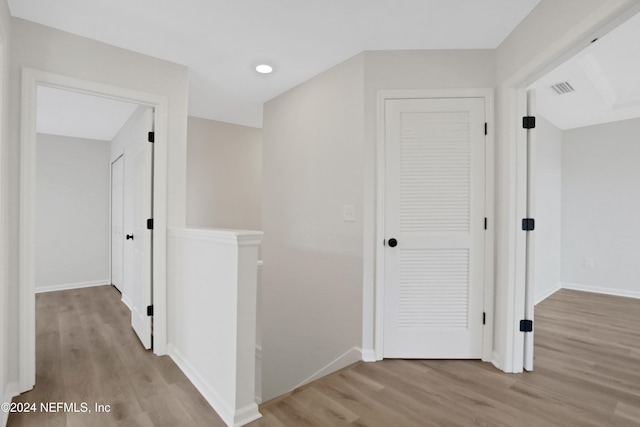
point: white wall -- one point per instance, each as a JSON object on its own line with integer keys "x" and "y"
{"x": 548, "y": 212}
{"x": 411, "y": 69}
{"x": 319, "y": 155}
{"x": 43, "y": 48}
{"x": 217, "y": 270}
{"x": 312, "y": 273}
{"x": 72, "y": 221}
{"x": 127, "y": 133}
{"x": 224, "y": 175}
{"x": 600, "y": 205}
{"x": 224, "y": 186}
{"x": 6, "y": 329}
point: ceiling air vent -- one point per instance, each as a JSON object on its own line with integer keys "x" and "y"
{"x": 562, "y": 88}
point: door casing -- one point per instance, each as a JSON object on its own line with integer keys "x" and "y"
{"x": 31, "y": 79}
{"x": 120, "y": 196}
{"x": 383, "y": 96}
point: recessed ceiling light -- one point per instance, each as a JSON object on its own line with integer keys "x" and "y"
{"x": 264, "y": 69}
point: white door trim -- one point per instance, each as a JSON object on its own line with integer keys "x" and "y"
{"x": 383, "y": 96}
{"x": 120, "y": 157}
{"x": 513, "y": 105}
{"x": 31, "y": 79}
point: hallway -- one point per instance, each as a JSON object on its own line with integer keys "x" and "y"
{"x": 586, "y": 374}
{"x": 86, "y": 351}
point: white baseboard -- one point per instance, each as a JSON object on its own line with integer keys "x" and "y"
{"x": 68, "y": 286}
{"x": 247, "y": 414}
{"x": 125, "y": 299}
{"x": 548, "y": 293}
{"x": 10, "y": 391}
{"x": 496, "y": 360}
{"x": 601, "y": 290}
{"x": 351, "y": 356}
{"x": 369, "y": 355}
{"x": 233, "y": 418}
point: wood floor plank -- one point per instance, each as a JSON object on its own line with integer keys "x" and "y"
{"x": 360, "y": 397}
{"x": 587, "y": 373}
{"x": 632, "y": 413}
{"x": 88, "y": 352}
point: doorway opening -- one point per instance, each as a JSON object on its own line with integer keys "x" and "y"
{"x": 582, "y": 167}
{"x": 78, "y": 136}
{"x": 155, "y": 107}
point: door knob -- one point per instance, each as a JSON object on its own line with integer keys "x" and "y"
{"x": 393, "y": 243}
{"x": 129, "y": 236}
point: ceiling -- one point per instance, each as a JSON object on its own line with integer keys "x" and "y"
{"x": 74, "y": 114}
{"x": 606, "y": 80}
{"x": 221, "y": 41}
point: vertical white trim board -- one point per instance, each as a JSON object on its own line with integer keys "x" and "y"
{"x": 6, "y": 390}
{"x": 31, "y": 79}
{"x": 258, "y": 391}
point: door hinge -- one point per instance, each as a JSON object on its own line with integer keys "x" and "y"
{"x": 484, "y": 318}
{"x": 152, "y": 137}
{"x": 485, "y": 223}
{"x": 150, "y": 224}
{"x": 529, "y": 122}
{"x": 150, "y": 310}
{"x": 526, "y": 326}
{"x": 486, "y": 129}
{"x": 528, "y": 224}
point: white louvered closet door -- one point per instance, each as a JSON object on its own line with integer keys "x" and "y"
{"x": 434, "y": 197}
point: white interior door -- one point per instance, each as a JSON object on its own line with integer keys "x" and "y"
{"x": 117, "y": 222}
{"x": 531, "y": 197}
{"x": 435, "y": 211}
{"x": 138, "y": 153}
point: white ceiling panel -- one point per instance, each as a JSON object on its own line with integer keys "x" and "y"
{"x": 606, "y": 79}
{"x": 78, "y": 115}
{"x": 221, "y": 41}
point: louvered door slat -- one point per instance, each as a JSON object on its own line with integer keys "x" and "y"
{"x": 433, "y": 288}
{"x": 434, "y": 171}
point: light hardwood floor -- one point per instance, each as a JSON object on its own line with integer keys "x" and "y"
{"x": 86, "y": 351}
{"x": 587, "y": 373}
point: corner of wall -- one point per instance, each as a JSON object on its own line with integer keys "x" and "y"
{"x": 543, "y": 296}
{"x": 351, "y": 356}
{"x": 312, "y": 278}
